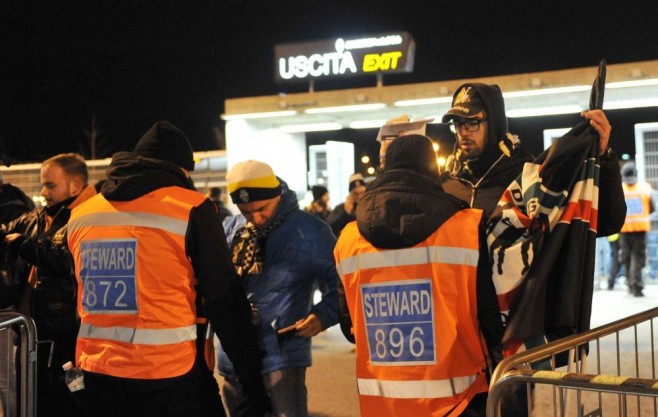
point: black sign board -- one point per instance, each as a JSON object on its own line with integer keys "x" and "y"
{"x": 344, "y": 57}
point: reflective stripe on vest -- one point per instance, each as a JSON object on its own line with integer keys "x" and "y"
{"x": 409, "y": 256}
{"x": 139, "y": 336}
{"x": 415, "y": 389}
{"x": 155, "y": 221}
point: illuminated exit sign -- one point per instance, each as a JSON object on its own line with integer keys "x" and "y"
{"x": 344, "y": 57}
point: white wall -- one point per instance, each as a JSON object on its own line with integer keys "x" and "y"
{"x": 284, "y": 152}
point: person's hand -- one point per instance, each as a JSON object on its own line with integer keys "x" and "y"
{"x": 14, "y": 240}
{"x": 350, "y": 202}
{"x": 11, "y": 237}
{"x": 599, "y": 121}
{"x": 309, "y": 327}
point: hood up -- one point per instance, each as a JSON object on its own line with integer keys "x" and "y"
{"x": 130, "y": 176}
{"x": 402, "y": 208}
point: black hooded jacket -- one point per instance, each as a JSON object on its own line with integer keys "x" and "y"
{"x": 402, "y": 208}
{"x": 482, "y": 181}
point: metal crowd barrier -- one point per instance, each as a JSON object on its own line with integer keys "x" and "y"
{"x": 24, "y": 400}
{"x": 622, "y": 379}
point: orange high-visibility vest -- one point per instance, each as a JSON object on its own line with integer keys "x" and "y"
{"x": 137, "y": 297}
{"x": 419, "y": 350}
{"x": 638, "y": 207}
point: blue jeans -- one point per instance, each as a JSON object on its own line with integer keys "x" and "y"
{"x": 286, "y": 388}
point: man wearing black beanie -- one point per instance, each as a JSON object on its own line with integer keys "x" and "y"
{"x": 414, "y": 243}
{"x": 154, "y": 270}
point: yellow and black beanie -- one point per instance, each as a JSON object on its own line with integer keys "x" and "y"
{"x": 252, "y": 181}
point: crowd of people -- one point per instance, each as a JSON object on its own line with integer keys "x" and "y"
{"x": 131, "y": 281}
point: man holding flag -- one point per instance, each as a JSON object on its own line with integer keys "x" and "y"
{"x": 543, "y": 214}
{"x": 487, "y": 157}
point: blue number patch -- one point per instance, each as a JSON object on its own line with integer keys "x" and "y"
{"x": 399, "y": 319}
{"x": 109, "y": 275}
{"x": 634, "y": 206}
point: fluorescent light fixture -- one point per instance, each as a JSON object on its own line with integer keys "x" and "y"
{"x": 262, "y": 115}
{"x": 354, "y": 107}
{"x": 422, "y": 101}
{"x": 630, "y": 104}
{"x": 367, "y": 124}
{"x": 545, "y": 91}
{"x": 545, "y": 111}
{"x": 634, "y": 83}
{"x": 311, "y": 127}
{"x": 437, "y": 120}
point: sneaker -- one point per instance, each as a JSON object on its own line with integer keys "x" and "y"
{"x": 638, "y": 293}
{"x": 611, "y": 286}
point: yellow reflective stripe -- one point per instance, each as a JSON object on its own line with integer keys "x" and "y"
{"x": 139, "y": 336}
{"x": 609, "y": 380}
{"x": 440, "y": 388}
{"x": 409, "y": 256}
{"x": 131, "y": 218}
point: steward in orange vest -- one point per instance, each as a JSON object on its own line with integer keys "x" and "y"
{"x": 418, "y": 286}
{"x": 638, "y": 207}
{"x": 633, "y": 235}
{"x": 152, "y": 263}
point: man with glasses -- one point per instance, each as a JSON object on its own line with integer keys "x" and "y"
{"x": 479, "y": 170}
{"x": 487, "y": 157}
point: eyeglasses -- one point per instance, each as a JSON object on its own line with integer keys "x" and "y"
{"x": 472, "y": 125}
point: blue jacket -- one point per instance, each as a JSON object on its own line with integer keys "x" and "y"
{"x": 298, "y": 259}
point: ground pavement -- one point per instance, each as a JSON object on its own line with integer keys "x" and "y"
{"x": 331, "y": 381}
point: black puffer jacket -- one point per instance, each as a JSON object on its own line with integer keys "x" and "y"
{"x": 402, "y": 208}
{"x": 480, "y": 182}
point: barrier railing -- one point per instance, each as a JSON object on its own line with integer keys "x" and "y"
{"x": 622, "y": 380}
{"x": 27, "y": 339}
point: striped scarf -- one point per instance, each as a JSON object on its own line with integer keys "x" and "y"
{"x": 248, "y": 255}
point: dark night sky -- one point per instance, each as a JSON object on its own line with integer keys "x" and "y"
{"x": 131, "y": 63}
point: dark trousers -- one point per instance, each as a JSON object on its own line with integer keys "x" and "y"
{"x": 514, "y": 400}
{"x": 633, "y": 248}
{"x": 53, "y": 396}
{"x": 477, "y": 407}
{"x": 194, "y": 394}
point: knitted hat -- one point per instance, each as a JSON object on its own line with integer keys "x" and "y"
{"x": 413, "y": 152}
{"x": 466, "y": 104}
{"x": 252, "y": 181}
{"x": 318, "y": 191}
{"x": 166, "y": 142}
{"x": 356, "y": 179}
